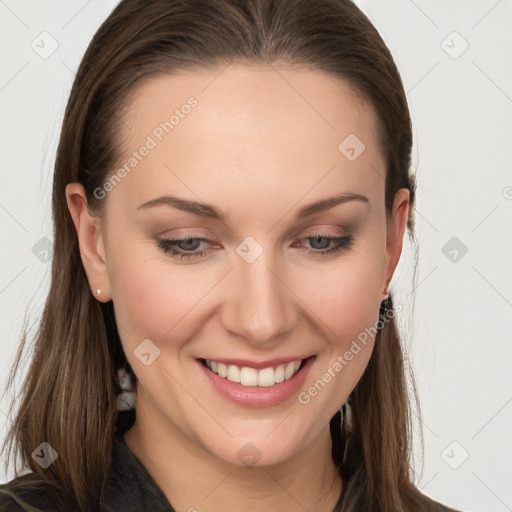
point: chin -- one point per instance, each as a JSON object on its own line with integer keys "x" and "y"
{"x": 268, "y": 446}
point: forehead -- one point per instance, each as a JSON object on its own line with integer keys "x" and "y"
{"x": 265, "y": 127}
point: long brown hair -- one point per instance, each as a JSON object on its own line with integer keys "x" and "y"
{"x": 69, "y": 397}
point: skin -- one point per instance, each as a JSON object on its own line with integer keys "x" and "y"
{"x": 260, "y": 144}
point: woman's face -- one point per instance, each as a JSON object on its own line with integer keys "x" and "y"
{"x": 258, "y": 146}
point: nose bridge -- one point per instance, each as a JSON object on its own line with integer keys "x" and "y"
{"x": 261, "y": 306}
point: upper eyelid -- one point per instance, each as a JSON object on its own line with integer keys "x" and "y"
{"x": 339, "y": 231}
{"x": 211, "y": 239}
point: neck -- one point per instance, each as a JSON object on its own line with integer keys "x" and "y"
{"x": 193, "y": 479}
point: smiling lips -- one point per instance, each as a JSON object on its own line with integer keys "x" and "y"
{"x": 247, "y": 376}
{"x": 251, "y": 384}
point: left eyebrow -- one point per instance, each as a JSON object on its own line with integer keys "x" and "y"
{"x": 212, "y": 212}
{"x": 331, "y": 202}
{"x": 201, "y": 209}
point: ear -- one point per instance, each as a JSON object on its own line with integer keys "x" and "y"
{"x": 395, "y": 234}
{"x": 90, "y": 241}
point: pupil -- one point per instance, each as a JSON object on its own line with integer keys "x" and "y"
{"x": 190, "y": 242}
{"x": 319, "y": 238}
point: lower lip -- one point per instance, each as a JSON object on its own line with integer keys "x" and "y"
{"x": 258, "y": 396}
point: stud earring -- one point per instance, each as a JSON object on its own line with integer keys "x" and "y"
{"x": 98, "y": 292}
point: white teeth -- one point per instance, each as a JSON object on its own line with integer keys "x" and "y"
{"x": 288, "y": 371}
{"x": 246, "y": 376}
{"x": 279, "y": 373}
{"x": 233, "y": 373}
{"x": 222, "y": 370}
{"x": 266, "y": 377}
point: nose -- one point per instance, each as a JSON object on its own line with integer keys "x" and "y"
{"x": 259, "y": 304}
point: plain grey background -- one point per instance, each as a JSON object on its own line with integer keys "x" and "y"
{"x": 455, "y": 60}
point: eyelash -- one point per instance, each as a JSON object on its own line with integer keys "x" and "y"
{"x": 342, "y": 244}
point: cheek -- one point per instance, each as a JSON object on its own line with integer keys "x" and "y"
{"x": 343, "y": 297}
{"x": 151, "y": 296}
{"x": 345, "y": 300}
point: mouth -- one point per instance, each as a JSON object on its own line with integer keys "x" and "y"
{"x": 256, "y": 374}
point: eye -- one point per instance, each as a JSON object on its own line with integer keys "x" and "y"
{"x": 184, "y": 248}
{"x": 168, "y": 246}
{"x": 340, "y": 244}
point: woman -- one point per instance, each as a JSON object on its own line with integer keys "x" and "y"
{"x": 231, "y": 192}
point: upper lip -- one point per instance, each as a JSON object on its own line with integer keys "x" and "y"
{"x": 258, "y": 365}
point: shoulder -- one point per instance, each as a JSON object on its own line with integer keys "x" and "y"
{"x": 27, "y": 493}
{"x": 10, "y": 503}
{"x": 14, "y": 495}
{"x": 128, "y": 485}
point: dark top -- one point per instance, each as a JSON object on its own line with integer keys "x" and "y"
{"x": 128, "y": 487}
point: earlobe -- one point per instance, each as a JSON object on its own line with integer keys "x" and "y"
{"x": 90, "y": 239}
{"x": 395, "y": 234}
